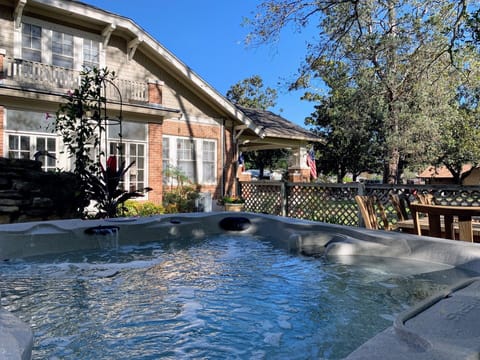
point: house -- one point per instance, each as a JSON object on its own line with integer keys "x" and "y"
{"x": 170, "y": 116}
{"x": 441, "y": 175}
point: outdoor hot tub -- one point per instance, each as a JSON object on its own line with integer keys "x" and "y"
{"x": 234, "y": 285}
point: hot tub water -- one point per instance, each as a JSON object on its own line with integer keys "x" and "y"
{"x": 226, "y": 296}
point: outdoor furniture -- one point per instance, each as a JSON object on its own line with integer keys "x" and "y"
{"x": 448, "y": 213}
{"x": 425, "y": 198}
{"x": 368, "y": 206}
{"x": 400, "y": 204}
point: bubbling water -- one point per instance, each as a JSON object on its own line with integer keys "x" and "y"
{"x": 225, "y": 297}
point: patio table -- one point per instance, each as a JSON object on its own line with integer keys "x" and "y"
{"x": 446, "y": 228}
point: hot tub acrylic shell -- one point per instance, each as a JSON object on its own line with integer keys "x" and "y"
{"x": 427, "y": 331}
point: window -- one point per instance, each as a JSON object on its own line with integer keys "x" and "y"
{"x": 208, "y": 157}
{"x": 133, "y": 148}
{"x": 186, "y": 158}
{"x": 31, "y": 42}
{"x": 166, "y": 159}
{"x": 91, "y": 54}
{"x": 18, "y": 147}
{"x": 196, "y": 159}
{"x": 47, "y": 145}
{"x": 135, "y": 178}
{"x": 62, "y": 50}
{"x": 41, "y": 41}
{"x": 28, "y": 132}
{"x": 26, "y": 146}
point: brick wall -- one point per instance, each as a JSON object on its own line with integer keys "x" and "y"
{"x": 155, "y": 93}
{"x": 155, "y": 133}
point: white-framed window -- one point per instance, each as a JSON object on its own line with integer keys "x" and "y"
{"x": 91, "y": 53}
{"x": 208, "y": 161}
{"x": 62, "y": 49}
{"x": 26, "y": 146}
{"x": 194, "y": 158}
{"x": 186, "y": 159}
{"x": 132, "y": 148}
{"x": 165, "y": 160}
{"x": 27, "y": 134}
{"x": 58, "y": 45}
{"x": 31, "y": 42}
{"x": 19, "y": 147}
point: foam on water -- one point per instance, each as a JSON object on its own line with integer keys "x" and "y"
{"x": 226, "y": 297}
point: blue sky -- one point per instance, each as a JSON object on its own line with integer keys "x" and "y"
{"x": 208, "y": 36}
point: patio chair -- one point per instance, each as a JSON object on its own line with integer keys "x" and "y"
{"x": 425, "y": 199}
{"x": 368, "y": 205}
{"x": 400, "y": 204}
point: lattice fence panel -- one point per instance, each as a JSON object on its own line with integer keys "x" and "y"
{"x": 334, "y": 205}
{"x": 262, "y": 197}
{"x": 458, "y": 197}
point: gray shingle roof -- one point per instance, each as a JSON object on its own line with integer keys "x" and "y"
{"x": 276, "y": 126}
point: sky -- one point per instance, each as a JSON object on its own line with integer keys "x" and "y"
{"x": 208, "y": 36}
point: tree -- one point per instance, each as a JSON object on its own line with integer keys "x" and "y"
{"x": 348, "y": 123}
{"x": 250, "y": 93}
{"x": 404, "y": 47}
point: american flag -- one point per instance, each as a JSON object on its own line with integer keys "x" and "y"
{"x": 241, "y": 162}
{"x": 311, "y": 163}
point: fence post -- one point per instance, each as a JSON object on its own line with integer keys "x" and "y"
{"x": 360, "y": 191}
{"x": 283, "y": 198}
{"x": 361, "y": 188}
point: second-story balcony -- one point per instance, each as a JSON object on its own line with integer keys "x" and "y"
{"x": 38, "y": 76}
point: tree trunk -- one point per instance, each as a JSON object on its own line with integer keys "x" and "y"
{"x": 394, "y": 160}
{"x": 393, "y": 150}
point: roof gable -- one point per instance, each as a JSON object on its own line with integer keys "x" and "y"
{"x": 107, "y": 23}
{"x": 275, "y": 126}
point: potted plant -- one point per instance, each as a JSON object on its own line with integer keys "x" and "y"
{"x": 233, "y": 203}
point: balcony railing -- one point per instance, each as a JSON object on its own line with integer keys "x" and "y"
{"x": 39, "y": 76}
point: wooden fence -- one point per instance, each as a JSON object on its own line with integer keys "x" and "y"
{"x": 335, "y": 203}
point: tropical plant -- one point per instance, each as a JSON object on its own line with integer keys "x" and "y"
{"x": 105, "y": 190}
{"x": 81, "y": 121}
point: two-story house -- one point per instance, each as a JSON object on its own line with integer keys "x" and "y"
{"x": 170, "y": 116}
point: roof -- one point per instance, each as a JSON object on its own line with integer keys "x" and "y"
{"x": 275, "y": 126}
{"x": 106, "y": 23}
{"x": 441, "y": 172}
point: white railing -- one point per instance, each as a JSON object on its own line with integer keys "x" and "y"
{"x": 39, "y": 76}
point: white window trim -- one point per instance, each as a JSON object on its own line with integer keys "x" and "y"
{"x": 47, "y": 28}
{"x": 126, "y": 143}
{"x": 173, "y": 158}
{"x": 60, "y": 158}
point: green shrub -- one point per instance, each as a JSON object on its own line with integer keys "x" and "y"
{"x": 136, "y": 208}
{"x": 181, "y": 200}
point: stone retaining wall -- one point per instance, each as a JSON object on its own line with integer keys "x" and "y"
{"x": 29, "y": 194}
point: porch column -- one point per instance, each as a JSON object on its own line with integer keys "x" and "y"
{"x": 155, "y": 146}
{"x": 3, "y": 53}
{"x": 155, "y": 95}
{"x": 298, "y": 170}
